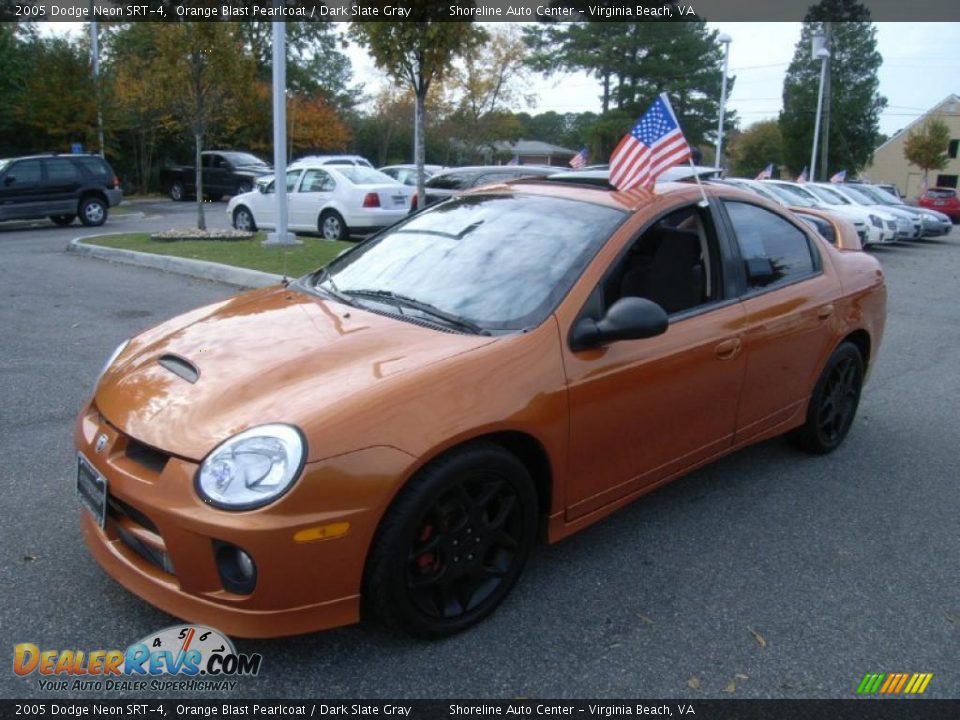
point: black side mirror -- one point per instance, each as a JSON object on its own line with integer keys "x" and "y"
{"x": 629, "y": 318}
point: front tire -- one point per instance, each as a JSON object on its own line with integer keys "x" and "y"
{"x": 93, "y": 212}
{"x": 454, "y": 542}
{"x": 332, "y": 226}
{"x": 833, "y": 404}
{"x": 243, "y": 220}
{"x": 177, "y": 192}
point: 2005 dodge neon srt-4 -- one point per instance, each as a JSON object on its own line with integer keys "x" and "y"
{"x": 389, "y": 436}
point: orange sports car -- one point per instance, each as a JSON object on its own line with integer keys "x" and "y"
{"x": 390, "y": 435}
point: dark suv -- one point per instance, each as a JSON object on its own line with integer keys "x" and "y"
{"x": 60, "y": 187}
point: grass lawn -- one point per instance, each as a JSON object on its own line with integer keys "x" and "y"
{"x": 300, "y": 259}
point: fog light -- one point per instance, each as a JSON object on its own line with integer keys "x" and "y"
{"x": 238, "y": 571}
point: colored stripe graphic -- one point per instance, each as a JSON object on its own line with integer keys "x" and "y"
{"x": 923, "y": 686}
{"x": 894, "y": 683}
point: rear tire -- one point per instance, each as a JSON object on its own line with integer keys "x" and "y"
{"x": 63, "y": 220}
{"x": 332, "y": 226}
{"x": 177, "y": 192}
{"x": 833, "y": 404}
{"x": 454, "y": 542}
{"x": 93, "y": 212}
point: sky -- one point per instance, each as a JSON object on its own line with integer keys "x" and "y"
{"x": 918, "y": 71}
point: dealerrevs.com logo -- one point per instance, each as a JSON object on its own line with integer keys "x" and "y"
{"x": 178, "y": 658}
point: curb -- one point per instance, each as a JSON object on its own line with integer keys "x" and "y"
{"x": 218, "y": 272}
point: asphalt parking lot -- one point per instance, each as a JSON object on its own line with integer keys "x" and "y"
{"x": 768, "y": 574}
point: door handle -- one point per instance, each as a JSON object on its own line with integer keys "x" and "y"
{"x": 825, "y": 312}
{"x": 728, "y": 349}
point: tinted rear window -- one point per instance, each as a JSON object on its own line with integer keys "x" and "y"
{"x": 61, "y": 170}
{"x": 93, "y": 165}
{"x": 941, "y": 193}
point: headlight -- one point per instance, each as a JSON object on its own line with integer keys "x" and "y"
{"x": 876, "y": 221}
{"x": 253, "y": 468}
{"x": 116, "y": 353}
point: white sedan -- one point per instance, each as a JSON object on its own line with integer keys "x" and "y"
{"x": 334, "y": 200}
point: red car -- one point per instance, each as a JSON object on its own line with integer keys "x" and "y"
{"x": 943, "y": 199}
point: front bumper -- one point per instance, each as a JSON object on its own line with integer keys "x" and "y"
{"x": 935, "y": 228}
{"x": 160, "y": 538}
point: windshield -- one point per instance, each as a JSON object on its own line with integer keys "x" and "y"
{"x": 828, "y": 196}
{"x": 359, "y": 175}
{"x": 860, "y": 196}
{"x": 239, "y": 158}
{"x": 791, "y": 195}
{"x": 502, "y": 262}
{"x": 879, "y": 195}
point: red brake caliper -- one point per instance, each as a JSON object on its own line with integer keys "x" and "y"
{"x": 427, "y": 561}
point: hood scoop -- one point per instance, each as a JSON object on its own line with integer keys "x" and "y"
{"x": 181, "y": 367}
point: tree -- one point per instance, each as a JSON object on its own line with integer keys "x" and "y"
{"x": 315, "y": 65}
{"x": 927, "y": 149}
{"x": 492, "y": 80}
{"x": 58, "y": 105}
{"x": 755, "y": 148}
{"x": 854, "y": 103}
{"x": 136, "y": 113}
{"x": 204, "y": 63}
{"x": 637, "y": 61}
{"x": 417, "y": 52}
{"x": 16, "y": 50}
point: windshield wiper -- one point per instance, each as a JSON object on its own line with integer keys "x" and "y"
{"x": 323, "y": 280}
{"x": 402, "y": 301}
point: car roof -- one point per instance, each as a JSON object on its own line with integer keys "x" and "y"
{"x": 480, "y": 169}
{"x": 47, "y": 156}
{"x": 630, "y": 200}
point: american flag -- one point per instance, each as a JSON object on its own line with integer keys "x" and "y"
{"x": 802, "y": 177}
{"x": 766, "y": 173}
{"x": 580, "y": 159}
{"x": 655, "y": 144}
{"x": 839, "y": 177}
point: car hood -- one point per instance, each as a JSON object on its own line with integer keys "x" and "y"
{"x": 274, "y": 355}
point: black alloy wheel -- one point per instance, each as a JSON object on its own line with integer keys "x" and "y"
{"x": 454, "y": 543}
{"x": 833, "y": 405}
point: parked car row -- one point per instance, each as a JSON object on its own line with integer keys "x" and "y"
{"x": 339, "y": 198}
{"x": 876, "y": 215}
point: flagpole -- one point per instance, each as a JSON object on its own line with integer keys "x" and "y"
{"x": 696, "y": 176}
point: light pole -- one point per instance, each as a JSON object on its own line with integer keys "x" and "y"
{"x": 726, "y": 40}
{"x": 281, "y": 236}
{"x": 95, "y": 61}
{"x": 821, "y": 53}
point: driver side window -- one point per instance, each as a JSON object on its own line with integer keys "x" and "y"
{"x": 674, "y": 263}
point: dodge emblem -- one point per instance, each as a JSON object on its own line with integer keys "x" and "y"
{"x": 101, "y": 442}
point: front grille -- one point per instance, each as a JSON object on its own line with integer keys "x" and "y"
{"x": 139, "y": 534}
{"x": 146, "y": 456}
{"x": 891, "y": 225}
